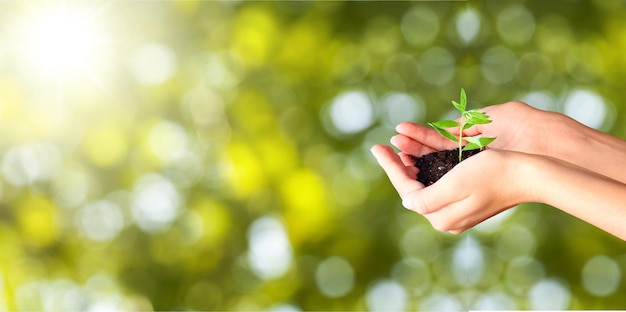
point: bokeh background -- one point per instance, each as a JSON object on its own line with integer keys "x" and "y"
{"x": 214, "y": 155}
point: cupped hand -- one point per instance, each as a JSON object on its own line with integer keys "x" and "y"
{"x": 401, "y": 173}
{"x": 473, "y": 191}
{"x": 517, "y": 126}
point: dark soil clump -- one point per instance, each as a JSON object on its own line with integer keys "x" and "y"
{"x": 434, "y": 165}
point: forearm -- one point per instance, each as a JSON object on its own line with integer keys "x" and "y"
{"x": 587, "y": 148}
{"x": 587, "y": 195}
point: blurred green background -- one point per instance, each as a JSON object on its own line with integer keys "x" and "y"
{"x": 214, "y": 155}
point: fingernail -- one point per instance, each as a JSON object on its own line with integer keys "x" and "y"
{"x": 373, "y": 150}
{"x": 406, "y": 202}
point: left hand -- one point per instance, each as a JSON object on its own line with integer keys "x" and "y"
{"x": 473, "y": 191}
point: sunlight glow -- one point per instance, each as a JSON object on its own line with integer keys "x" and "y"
{"x": 62, "y": 42}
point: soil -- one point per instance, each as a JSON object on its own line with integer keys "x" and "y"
{"x": 434, "y": 165}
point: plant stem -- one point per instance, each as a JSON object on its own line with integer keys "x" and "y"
{"x": 461, "y": 125}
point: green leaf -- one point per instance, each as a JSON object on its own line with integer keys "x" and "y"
{"x": 471, "y": 146}
{"x": 486, "y": 141}
{"x": 475, "y": 143}
{"x": 458, "y": 106}
{"x": 446, "y": 124}
{"x": 463, "y": 100}
{"x": 477, "y": 121}
{"x": 475, "y": 117}
{"x": 475, "y": 114}
{"x": 469, "y": 119}
{"x": 443, "y": 132}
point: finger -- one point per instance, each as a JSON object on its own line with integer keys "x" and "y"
{"x": 450, "y": 219}
{"x": 479, "y": 129}
{"x": 399, "y": 175}
{"x": 425, "y": 136}
{"x": 473, "y": 131}
{"x": 434, "y": 198}
{"x": 462, "y": 215}
{"x": 407, "y": 161}
{"x": 410, "y": 146}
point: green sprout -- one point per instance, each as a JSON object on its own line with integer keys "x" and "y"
{"x": 469, "y": 118}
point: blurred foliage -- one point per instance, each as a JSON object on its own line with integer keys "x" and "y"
{"x": 214, "y": 155}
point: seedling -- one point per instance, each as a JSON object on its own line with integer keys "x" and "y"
{"x": 469, "y": 118}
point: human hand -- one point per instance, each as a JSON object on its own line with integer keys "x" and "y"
{"x": 522, "y": 128}
{"x": 517, "y": 126}
{"x": 473, "y": 191}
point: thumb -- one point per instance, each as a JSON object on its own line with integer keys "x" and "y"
{"x": 426, "y": 201}
{"x": 473, "y": 131}
{"x": 415, "y": 201}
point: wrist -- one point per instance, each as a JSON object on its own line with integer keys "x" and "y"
{"x": 575, "y": 143}
{"x": 554, "y": 135}
{"x": 518, "y": 172}
{"x": 529, "y": 169}
{"x": 546, "y": 176}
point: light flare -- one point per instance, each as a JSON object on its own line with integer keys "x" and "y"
{"x": 63, "y": 42}
{"x": 62, "y": 46}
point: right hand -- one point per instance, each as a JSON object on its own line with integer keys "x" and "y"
{"x": 517, "y": 126}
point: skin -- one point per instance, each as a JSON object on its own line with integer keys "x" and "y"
{"x": 538, "y": 156}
